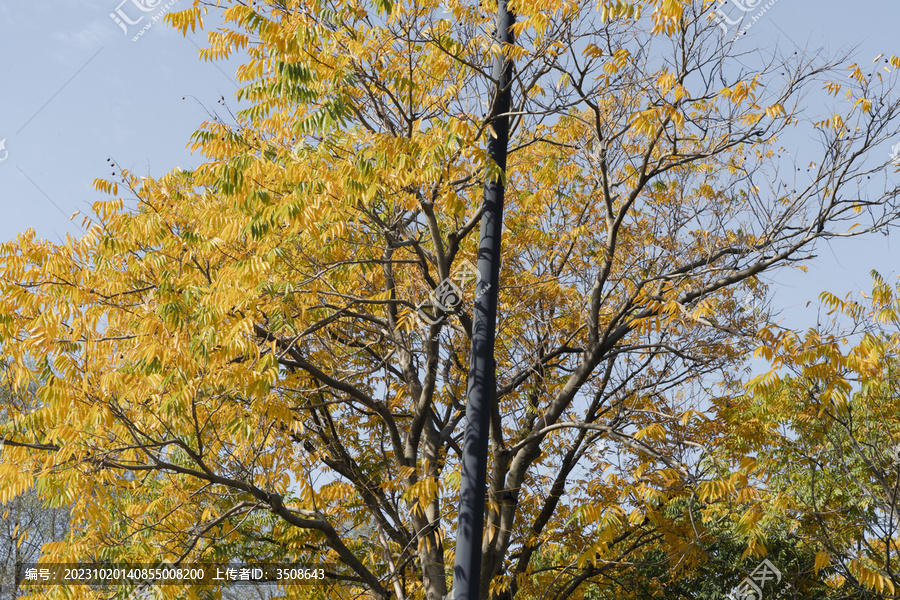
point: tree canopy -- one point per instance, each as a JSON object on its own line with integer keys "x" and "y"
{"x": 257, "y": 358}
{"x": 824, "y": 426}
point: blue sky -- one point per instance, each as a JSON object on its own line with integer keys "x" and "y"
{"x": 75, "y": 90}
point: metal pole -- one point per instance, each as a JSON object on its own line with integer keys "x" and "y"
{"x": 481, "y": 385}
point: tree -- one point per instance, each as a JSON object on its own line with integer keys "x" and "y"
{"x": 26, "y": 523}
{"x": 824, "y": 426}
{"x": 725, "y": 567}
{"x": 276, "y": 331}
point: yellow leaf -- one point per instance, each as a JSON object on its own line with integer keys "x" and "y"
{"x": 822, "y": 559}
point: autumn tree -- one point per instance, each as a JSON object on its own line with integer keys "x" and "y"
{"x": 26, "y": 523}
{"x": 824, "y": 427}
{"x": 262, "y": 357}
{"x": 725, "y": 566}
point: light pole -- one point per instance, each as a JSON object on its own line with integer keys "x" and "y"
{"x": 481, "y": 386}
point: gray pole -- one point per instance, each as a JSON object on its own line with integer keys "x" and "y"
{"x": 481, "y": 386}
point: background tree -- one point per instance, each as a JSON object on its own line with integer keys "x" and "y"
{"x": 824, "y": 426}
{"x": 27, "y": 523}
{"x": 724, "y": 567}
{"x": 249, "y": 335}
